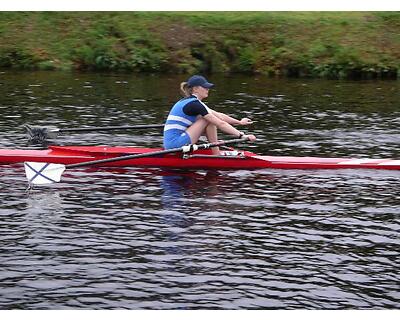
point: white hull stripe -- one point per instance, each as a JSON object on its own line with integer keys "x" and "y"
{"x": 180, "y": 119}
{"x": 174, "y": 126}
{"x": 364, "y": 161}
{"x": 390, "y": 163}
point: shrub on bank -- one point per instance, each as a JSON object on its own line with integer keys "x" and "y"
{"x": 328, "y": 45}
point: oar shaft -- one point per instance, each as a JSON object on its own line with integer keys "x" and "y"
{"x": 158, "y": 153}
{"x": 144, "y": 126}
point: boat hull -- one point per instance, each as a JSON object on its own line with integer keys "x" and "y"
{"x": 199, "y": 160}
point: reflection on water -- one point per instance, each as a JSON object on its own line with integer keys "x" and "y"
{"x": 129, "y": 238}
{"x": 176, "y": 184}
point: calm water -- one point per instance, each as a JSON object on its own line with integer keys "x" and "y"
{"x": 152, "y": 239}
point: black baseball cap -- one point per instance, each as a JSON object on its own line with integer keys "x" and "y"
{"x": 197, "y": 80}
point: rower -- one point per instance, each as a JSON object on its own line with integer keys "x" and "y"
{"x": 190, "y": 118}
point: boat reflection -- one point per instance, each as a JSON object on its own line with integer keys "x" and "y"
{"x": 180, "y": 187}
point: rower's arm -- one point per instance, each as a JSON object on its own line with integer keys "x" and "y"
{"x": 231, "y": 120}
{"x": 222, "y": 125}
{"x": 226, "y": 118}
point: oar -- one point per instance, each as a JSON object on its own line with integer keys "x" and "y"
{"x": 43, "y": 133}
{"x": 45, "y": 173}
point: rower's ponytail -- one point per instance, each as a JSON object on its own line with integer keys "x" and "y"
{"x": 185, "y": 89}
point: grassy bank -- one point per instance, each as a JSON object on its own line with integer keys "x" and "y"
{"x": 298, "y": 44}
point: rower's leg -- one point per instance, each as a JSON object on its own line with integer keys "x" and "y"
{"x": 198, "y": 128}
{"x": 212, "y": 136}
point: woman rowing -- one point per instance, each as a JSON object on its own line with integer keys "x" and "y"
{"x": 190, "y": 117}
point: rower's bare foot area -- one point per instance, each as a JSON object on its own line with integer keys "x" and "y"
{"x": 215, "y": 151}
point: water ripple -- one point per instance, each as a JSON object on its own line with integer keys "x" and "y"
{"x": 152, "y": 239}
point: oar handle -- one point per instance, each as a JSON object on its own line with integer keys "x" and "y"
{"x": 143, "y": 126}
{"x": 189, "y": 148}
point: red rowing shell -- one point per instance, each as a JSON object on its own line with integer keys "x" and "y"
{"x": 198, "y": 160}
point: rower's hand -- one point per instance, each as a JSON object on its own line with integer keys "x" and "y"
{"x": 246, "y": 121}
{"x": 250, "y": 137}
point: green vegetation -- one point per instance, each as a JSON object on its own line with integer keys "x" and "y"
{"x": 293, "y": 44}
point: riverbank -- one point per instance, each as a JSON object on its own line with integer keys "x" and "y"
{"x": 292, "y": 44}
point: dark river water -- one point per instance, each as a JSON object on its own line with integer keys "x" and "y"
{"x": 134, "y": 238}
